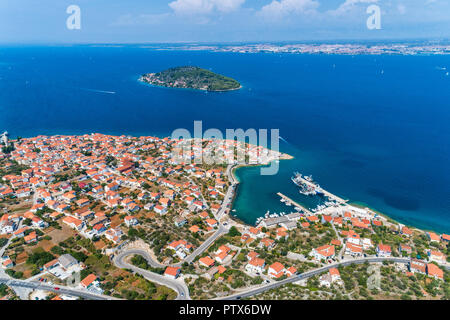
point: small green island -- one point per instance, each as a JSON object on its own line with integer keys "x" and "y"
{"x": 191, "y": 78}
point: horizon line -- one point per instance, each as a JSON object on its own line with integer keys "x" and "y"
{"x": 50, "y": 43}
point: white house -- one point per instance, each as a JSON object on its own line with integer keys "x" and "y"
{"x": 383, "y": 250}
{"x": 131, "y": 221}
{"x": 256, "y": 265}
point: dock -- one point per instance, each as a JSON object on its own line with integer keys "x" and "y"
{"x": 325, "y": 192}
{"x": 296, "y": 204}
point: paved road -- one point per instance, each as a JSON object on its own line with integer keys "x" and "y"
{"x": 308, "y": 274}
{"x": 178, "y": 285}
{"x": 62, "y": 289}
{"x": 219, "y": 232}
{"x": 143, "y": 253}
{"x": 230, "y": 192}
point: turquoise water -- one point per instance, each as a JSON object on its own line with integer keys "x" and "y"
{"x": 379, "y": 138}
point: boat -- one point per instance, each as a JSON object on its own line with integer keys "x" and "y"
{"x": 307, "y": 185}
{"x": 307, "y": 191}
{"x": 318, "y": 191}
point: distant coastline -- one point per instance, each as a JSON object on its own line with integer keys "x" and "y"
{"x": 377, "y": 48}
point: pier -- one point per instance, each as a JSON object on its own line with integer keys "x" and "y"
{"x": 289, "y": 200}
{"x": 326, "y": 193}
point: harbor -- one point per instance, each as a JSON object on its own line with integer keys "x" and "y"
{"x": 288, "y": 200}
{"x": 309, "y": 187}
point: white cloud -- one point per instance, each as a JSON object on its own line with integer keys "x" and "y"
{"x": 278, "y": 9}
{"x": 191, "y": 7}
{"x": 228, "y": 5}
{"x": 348, "y": 5}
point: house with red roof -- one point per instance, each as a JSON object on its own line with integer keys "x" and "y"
{"x": 206, "y": 262}
{"x": 406, "y": 231}
{"x": 211, "y": 222}
{"x": 436, "y": 256}
{"x": 74, "y": 223}
{"x": 172, "y": 272}
{"x": 255, "y": 265}
{"x": 323, "y": 253}
{"x": 276, "y": 270}
{"x": 332, "y": 276}
{"x": 291, "y": 271}
{"x": 91, "y": 283}
{"x": 355, "y": 250}
{"x": 267, "y": 243}
{"x": 433, "y": 237}
{"x": 32, "y": 237}
{"x": 435, "y": 272}
{"x": 383, "y": 250}
{"x": 131, "y": 221}
{"x": 418, "y": 266}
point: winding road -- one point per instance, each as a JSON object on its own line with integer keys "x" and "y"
{"x": 178, "y": 285}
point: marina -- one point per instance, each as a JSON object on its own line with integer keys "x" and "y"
{"x": 296, "y": 204}
{"x": 309, "y": 187}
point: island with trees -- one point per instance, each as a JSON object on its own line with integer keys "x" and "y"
{"x": 191, "y": 78}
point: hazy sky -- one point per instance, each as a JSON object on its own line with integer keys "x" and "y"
{"x": 121, "y": 21}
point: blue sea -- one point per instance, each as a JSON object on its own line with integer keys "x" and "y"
{"x": 372, "y": 129}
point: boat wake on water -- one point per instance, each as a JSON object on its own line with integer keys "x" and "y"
{"x": 99, "y": 91}
{"x": 91, "y": 90}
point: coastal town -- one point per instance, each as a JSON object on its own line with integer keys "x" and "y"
{"x": 428, "y": 48}
{"x": 119, "y": 217}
